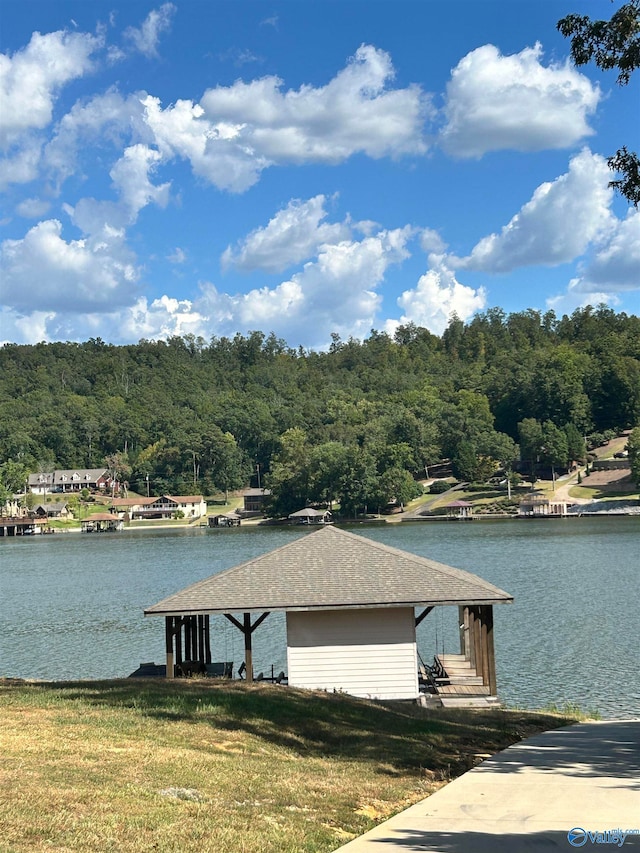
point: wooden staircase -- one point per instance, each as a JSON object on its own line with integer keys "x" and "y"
{"x": 463, "y": 687}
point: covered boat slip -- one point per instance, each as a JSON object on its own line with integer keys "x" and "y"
{"x": 350, "y": 606}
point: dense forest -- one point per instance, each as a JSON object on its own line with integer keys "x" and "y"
{"x": 357, "y": 423}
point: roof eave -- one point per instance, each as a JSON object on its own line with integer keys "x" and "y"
{"x": 378, "y": 605}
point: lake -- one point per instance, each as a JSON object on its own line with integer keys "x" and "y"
{"x": 72, "y": 605}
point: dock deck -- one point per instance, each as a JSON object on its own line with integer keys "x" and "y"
{"x": 463, "y": 687}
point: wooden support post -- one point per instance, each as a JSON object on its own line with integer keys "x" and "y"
{"x": 483, "y": 641}
{"x": 168, "y": 636}
{"x": 472, "y": 637}
{"x": 248, "y": 650}
{"x": 247, "y": 629}
{"x": 491, "y": 656}
{"x": 477, "y": 638}
{"x": 463, "y": 638}
{"x": 207, "y": 639}
{"x": 179, "y": 622}
{"x": 194, "y": 638}
{"x": 201, "y": 652}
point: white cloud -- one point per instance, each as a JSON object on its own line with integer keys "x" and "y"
{"x": 178, "y": 256}
{"x": 20, "y": 167}
{"x": 615, "y": 266}
{"x": 31, "y": 78}
{"x": 436, "y": 297}
{"x": 85, "y": 289}
{"x": 238, "y": 131}
{"x": 431, "y": 241}
{"x": 130, "y": 176}
{"x": 335, "y": 293}
{"x": 33, "y": 208}
{"x": 146, "y": 38}
{"x": 497, "y": 102}
{"x": 104, "y": 119}
{"x": 292, "y": 235}
{"x": 555, "y": 226}
{"x": 574, "y": 298}
{"x": 43, "y": 269}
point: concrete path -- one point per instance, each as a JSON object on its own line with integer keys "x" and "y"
{"x": 584, "y": 777}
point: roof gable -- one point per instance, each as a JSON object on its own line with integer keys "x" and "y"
{"x": 329, "y": 569}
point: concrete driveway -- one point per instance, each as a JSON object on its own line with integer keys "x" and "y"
{"x": 584, "y": 778}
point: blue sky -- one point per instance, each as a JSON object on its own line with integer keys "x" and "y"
{"x": 304, "y": 168}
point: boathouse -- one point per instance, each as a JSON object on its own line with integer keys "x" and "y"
{"x": 350, "y": 605}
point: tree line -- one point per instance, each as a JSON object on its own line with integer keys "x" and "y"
{"x": 357, "y": 423}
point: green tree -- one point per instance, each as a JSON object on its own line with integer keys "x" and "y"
{"x": 633, "y": 447}
{"x": 612, "y": 44}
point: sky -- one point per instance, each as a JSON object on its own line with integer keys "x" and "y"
{"x": 304, "y": 167}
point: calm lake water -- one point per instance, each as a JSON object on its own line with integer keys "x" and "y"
{"x": 71, "y": 605}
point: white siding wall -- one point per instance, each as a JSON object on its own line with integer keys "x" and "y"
{"x": 367, "y": 653}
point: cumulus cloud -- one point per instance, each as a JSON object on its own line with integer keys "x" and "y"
{"x": 496, "y": 102}
{"x": 567, "y": 303}
{"x": 33, "y": 208}
{"x": 615, "y": 265}
{"x": 237, "y": 131}
{"x": 147, "y": 36}
{"x": 337, "y": 292}
{"x": 292, "y": 235}
{"x": 436, "y": 297}
{"x": 130, "y": 176}
{"x": 32, "y": 77}
{"x": 555, "y": 226}
{"x": 73, "y": 276}
{"x": 106, "y": 119}
{"x": 20, "y": 167}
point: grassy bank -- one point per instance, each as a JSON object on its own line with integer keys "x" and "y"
{"x": 217, "y": 766}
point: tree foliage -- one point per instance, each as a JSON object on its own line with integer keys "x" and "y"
{"x": 612, "y": 44}
{"x": 356, "y": 424}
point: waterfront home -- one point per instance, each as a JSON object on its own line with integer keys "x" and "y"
{"x": 71, "y": 480}
{"x": 51, "y": 510}
{"x": 163, "y": 507}
{"x": 254, "y": 499}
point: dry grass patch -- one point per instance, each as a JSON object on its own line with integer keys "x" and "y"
{"x": 142, "y": 765}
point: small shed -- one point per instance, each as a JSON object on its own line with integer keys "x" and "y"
{"x": 350, "y": 606}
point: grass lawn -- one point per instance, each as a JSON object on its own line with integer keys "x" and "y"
{"x": 140, "y": 765}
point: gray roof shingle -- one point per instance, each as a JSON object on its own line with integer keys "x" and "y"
{"x": 330, "y": 569}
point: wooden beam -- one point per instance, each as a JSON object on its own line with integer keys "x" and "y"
{"x": 423, "y": 615}
{"x": 483, "y": 641}
{"x": 491, "y": 656}
{"x": 248, "y": 651}
{"x": 169, "y": 632}
{"x": 247, "y": 629}
{"x": 472, "y": 637}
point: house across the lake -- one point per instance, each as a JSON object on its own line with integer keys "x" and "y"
{"x": 254, "y": 500}
{"x": 70, "y": 480}
{"x": 351, "y": 610}
{"x": 163, "y": 507}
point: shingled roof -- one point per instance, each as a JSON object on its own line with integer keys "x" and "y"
{"x": 331, "y": 569}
